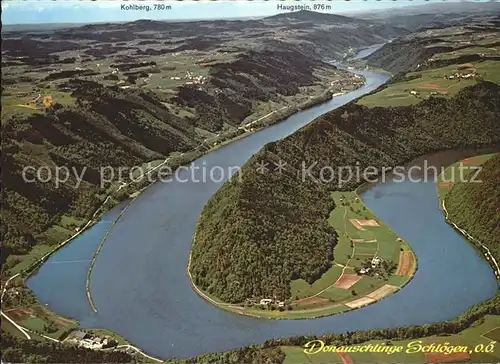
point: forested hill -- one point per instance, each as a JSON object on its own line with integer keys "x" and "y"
{"x": 257, "y": 235}
{"x": 130, "y": 93}
{"x": 475, "y": 207}
{"x": 467, "y": 39}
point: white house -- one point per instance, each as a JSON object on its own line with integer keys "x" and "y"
{"x": 375, "y": 262}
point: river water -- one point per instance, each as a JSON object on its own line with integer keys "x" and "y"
{"x": 141, "y": 289}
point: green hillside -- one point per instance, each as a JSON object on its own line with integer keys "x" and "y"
{"x": 271, "y": 228}
{"x": 475, "y": 207}
{"x": 125, "y": 95}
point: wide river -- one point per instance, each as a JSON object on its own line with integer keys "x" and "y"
{"x": 141, "y": 289}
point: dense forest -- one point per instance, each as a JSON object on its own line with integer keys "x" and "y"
{"x": 415, "y": 51}
{"x": 257, "y": 235}
{"x": 253, "y": 354}
{"x": 475, "y": 207}
{"x": 109, "y": 122}
{"x": 83, "y": 139}
{"x": 15, "y": 350}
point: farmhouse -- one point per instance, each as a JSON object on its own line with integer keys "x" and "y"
{"x": 80, "y": 335}
{"x": 266, "y": 301}
{"x": 364, "y": 270}
{"x": 375, "y": 262}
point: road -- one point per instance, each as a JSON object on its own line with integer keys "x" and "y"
{"x": 26, "y": 331}
{"x": 20, "y": 328}
{"x": 487, "y": 252}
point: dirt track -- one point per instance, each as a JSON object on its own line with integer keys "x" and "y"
{"x": 346, "y": 359}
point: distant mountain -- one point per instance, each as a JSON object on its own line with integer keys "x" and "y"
{"x": 430, "y": 15}
{"x": 313, "y": 16}
{"x": 463, "y": 8}
{"x": 133, "y": 107}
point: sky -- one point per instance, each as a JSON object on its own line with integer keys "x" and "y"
{"x": 85, "y": 11}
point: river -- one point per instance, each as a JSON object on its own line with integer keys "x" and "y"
{"x": 141, "y": 289}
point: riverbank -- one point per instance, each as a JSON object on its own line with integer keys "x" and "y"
{"x": 167, "y": 255}
{"x": 370, "y": 263}
{"x": 470, "y": 168}
{"x": 121, "y": 190}
{"x": 133, "y": 189}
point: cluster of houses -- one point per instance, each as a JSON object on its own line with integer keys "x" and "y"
{"x": 346, "y": 84}
{"x": 374, "y": 264}
{"x": 193, "y": 80}
{"x": 269, "y": 301}
{"x": 86, "y": 340}
{"x": 457, "y": 76}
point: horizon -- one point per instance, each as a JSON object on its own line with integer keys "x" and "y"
{"x": 90, "y": 12}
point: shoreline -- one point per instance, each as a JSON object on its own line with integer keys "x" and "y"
{"x": 25, "y": 274}
{"x": 235, "y": 308}
{"x": 322, "y": 98}
{"x": 480, "y": 247}
{"x": 304, "y": 312}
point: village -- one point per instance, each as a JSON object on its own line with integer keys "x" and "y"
{"x": 458, "y": 76}
{"x": 193, "y": 80}
{"x": 343, "y": 85}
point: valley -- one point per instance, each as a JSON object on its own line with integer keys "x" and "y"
{"x": 361, "y": 135}
{"x": 146, "y": 98}
{"x": 376, "y": 260}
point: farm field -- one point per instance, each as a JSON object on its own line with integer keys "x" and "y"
{"x": 40, "y": 320}
{"x": 444, "y": 81}
{"x": 478, "y": 336}
{"x": 354, "y": 280}
{"x": 419, "y": 86}
{"x": 483, "y": 50}
{"x": 361, "y": 238}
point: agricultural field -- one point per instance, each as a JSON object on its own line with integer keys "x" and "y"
{"x": 38, "y": 319}
{"x": 419, "y": 86}
{"x": 362, "y": 237}
{"x": 346, "y": 285}
{"x": 477, "y": 337}
{"x": 483, "y": 51}
{"x": 457, "y": 57}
